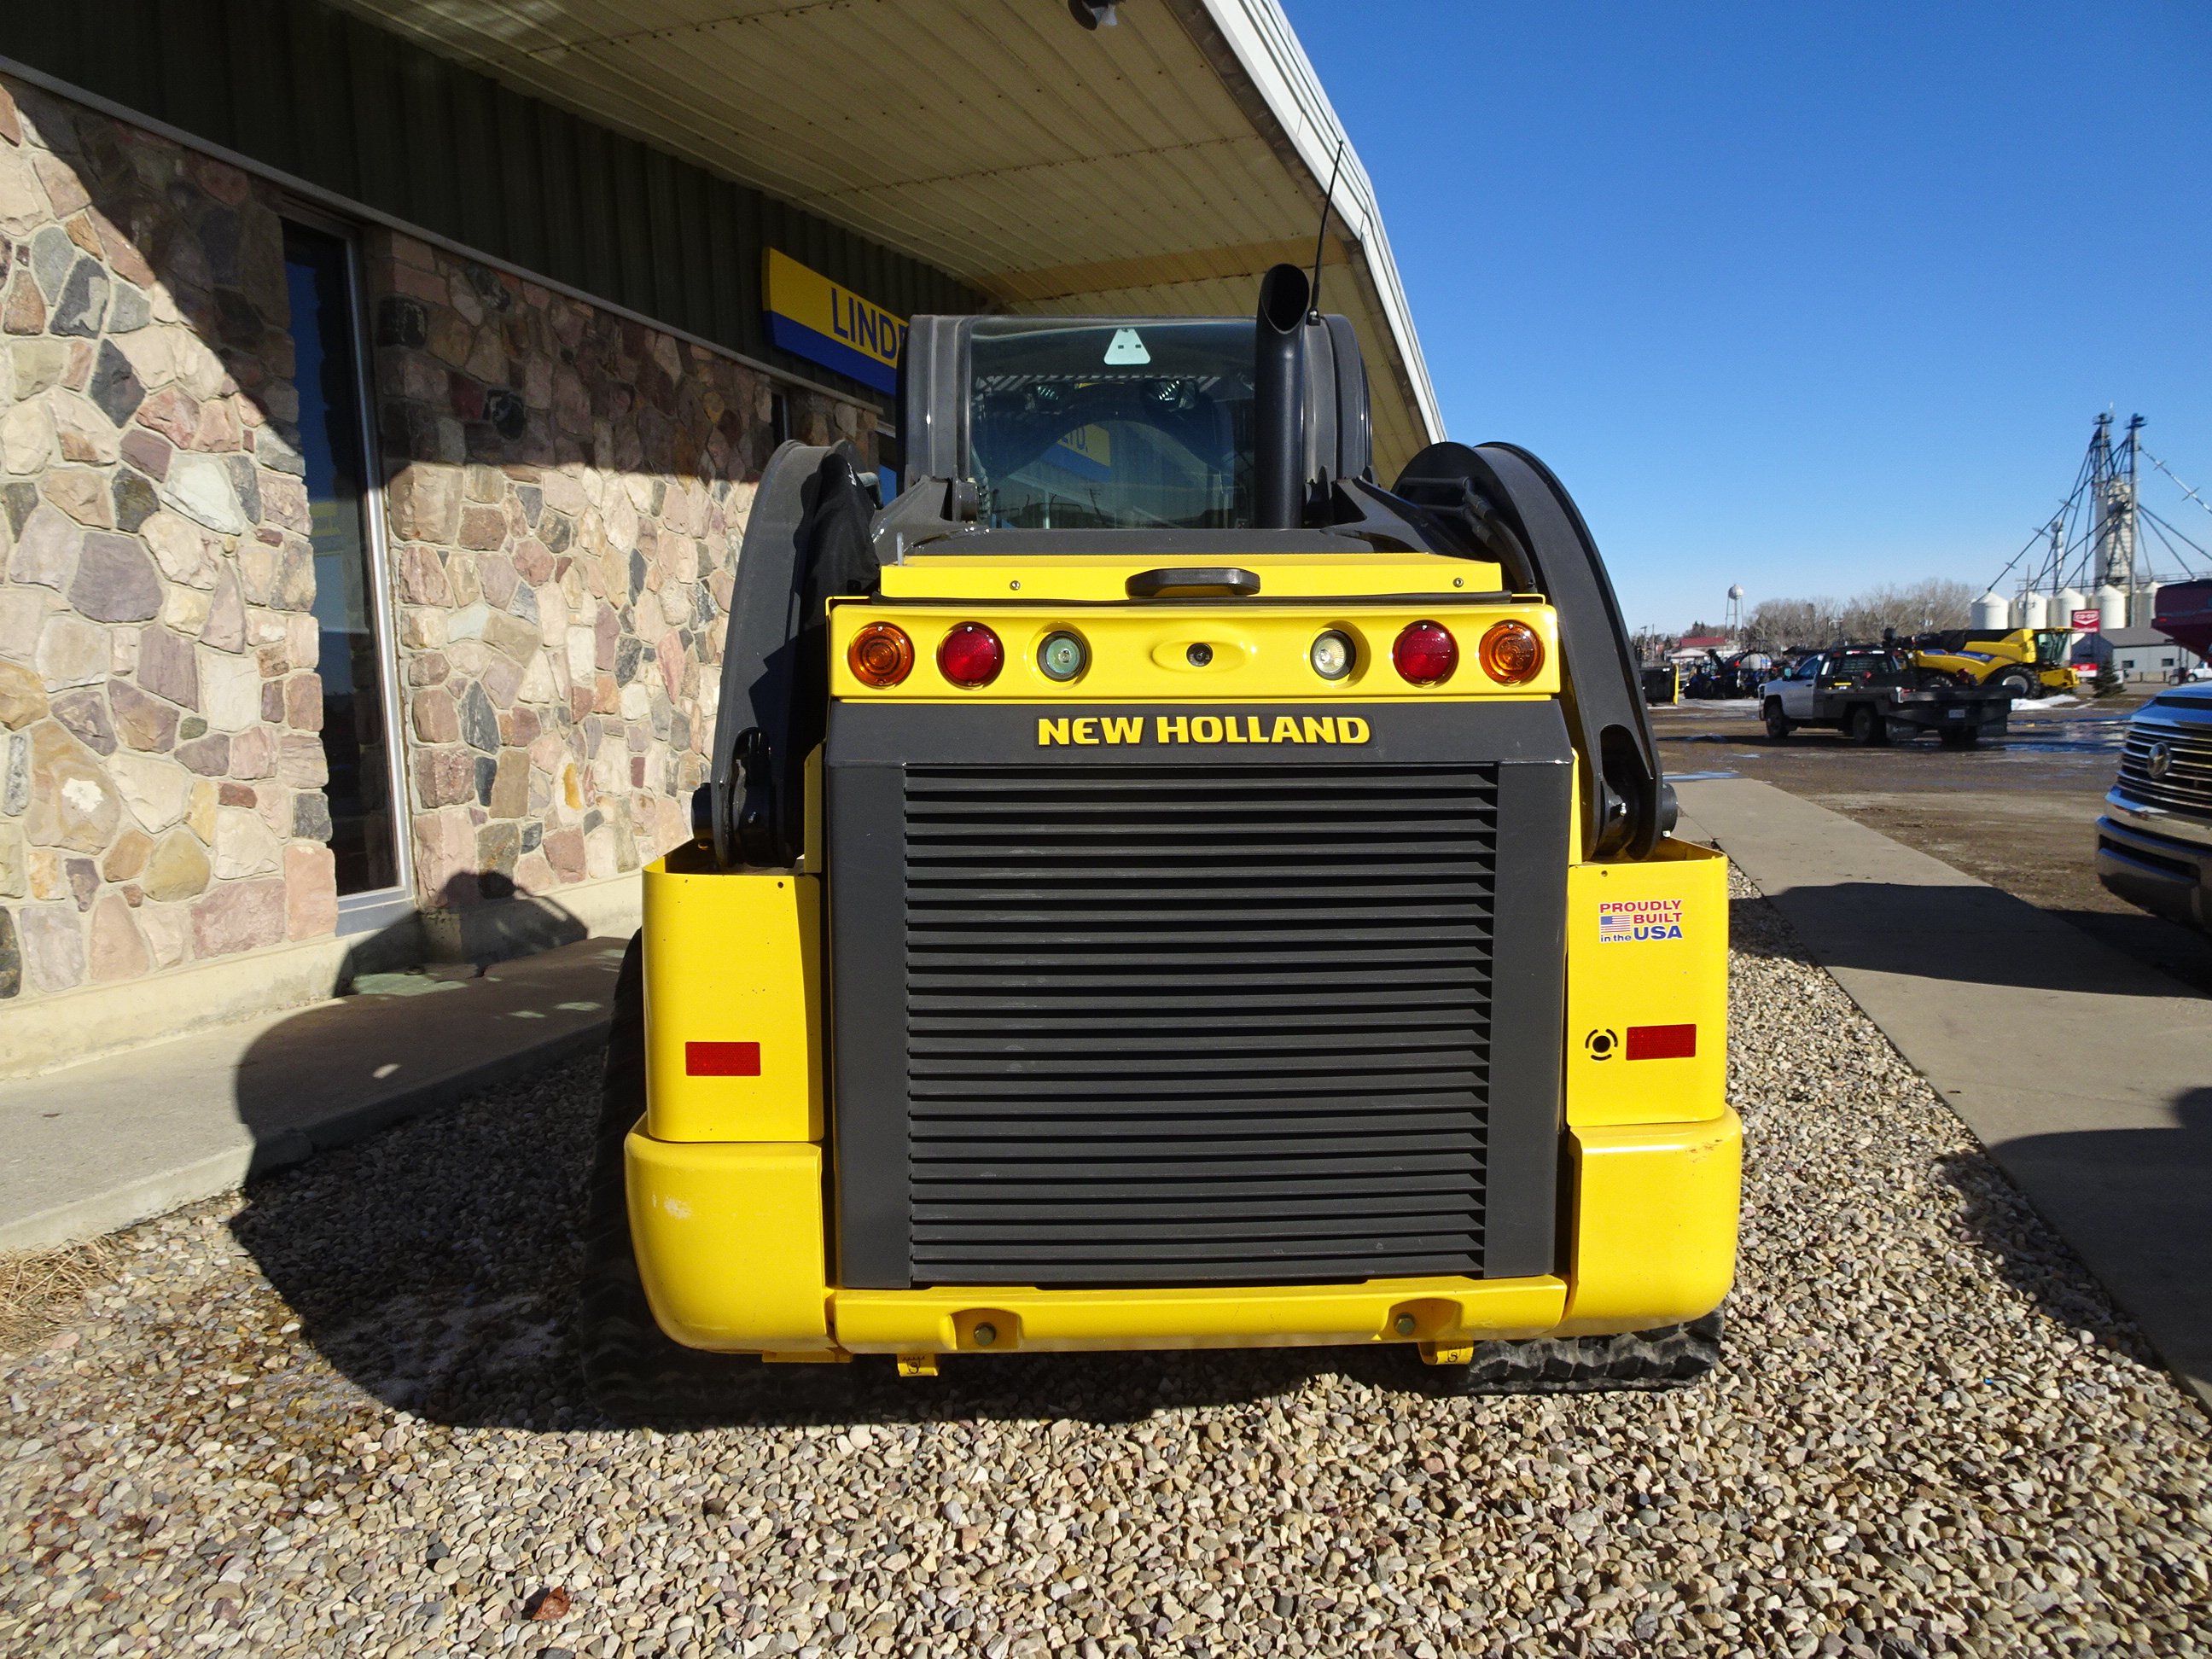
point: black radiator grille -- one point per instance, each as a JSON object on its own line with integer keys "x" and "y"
{"x": 2187, "y": 785}
{"x": 1173, "y": 1026}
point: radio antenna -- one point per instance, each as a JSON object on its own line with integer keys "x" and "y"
{"x": 1320, "y": 236}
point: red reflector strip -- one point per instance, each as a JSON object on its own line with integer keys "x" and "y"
{"x": 1663, "y": 1042}
{"x": 721, "y": 1059}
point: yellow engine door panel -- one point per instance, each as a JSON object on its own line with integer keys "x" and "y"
{"x": 732, "y": 1004}
{"x": 1647, "y": 988}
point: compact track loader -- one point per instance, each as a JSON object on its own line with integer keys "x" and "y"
{"x": 1159, "y": 889}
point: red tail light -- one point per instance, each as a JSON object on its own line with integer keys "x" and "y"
{"x": 1426, "y": 653}
{"x": 971, "y": 656}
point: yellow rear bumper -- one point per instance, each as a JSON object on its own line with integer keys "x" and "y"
{"x": 730, "y": 1246}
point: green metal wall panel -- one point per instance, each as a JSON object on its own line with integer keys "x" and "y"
{"x": 325, "y": 97}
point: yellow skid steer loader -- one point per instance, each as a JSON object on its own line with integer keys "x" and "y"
{"x": 1160, "y": 889}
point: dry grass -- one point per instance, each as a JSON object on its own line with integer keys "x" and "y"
{"x": 40, "y": 1289}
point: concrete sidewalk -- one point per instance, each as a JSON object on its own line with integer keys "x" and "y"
{"x": 100, "y": 1145}
{"x": 2087, "y": 1075}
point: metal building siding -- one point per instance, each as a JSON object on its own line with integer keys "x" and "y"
{"x": 328, "y": 97}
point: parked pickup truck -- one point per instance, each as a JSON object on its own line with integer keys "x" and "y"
{"x": 2154, "y": 841}
{"x": 1877, "y": 694}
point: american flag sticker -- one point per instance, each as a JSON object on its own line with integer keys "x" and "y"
{"x": 1636, "y": 921}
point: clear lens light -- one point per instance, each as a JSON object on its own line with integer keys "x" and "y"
{"x": 1062, "y": 657}
{"x": 1332, "y": 655}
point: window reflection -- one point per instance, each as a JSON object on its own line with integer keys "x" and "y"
{"x": 355, "y": 733}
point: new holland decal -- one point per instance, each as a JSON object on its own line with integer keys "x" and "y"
{"x": 1087, "y": 729}
{"x": 1626, "y": 921}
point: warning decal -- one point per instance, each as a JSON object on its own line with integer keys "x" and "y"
{"x": 1626, "y": 921}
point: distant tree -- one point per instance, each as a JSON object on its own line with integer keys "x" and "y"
{"x": 1779, "y": 624}
{"x": 1912, "y": 608}
{"x": 1915, "y": 608}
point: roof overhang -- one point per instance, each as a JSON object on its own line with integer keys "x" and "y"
{"x": 1154, "y": 167}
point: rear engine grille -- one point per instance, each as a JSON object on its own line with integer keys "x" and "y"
{"x": 2187, "y": 785}
{"x": 1169, "y": 1026}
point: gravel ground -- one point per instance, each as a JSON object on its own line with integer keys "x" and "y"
{"x": 341, "y": 1417}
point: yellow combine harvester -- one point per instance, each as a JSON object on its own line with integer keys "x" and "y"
{"x": 2027, "y": 662}
{"x": 1160, "y": 889}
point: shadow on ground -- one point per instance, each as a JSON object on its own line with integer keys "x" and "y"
{"x": 2158, "y": 1179}
{"x": 2033, "y": 1259}
{"x": 1968, "y": 935}
{"x": 436, "y": 1266}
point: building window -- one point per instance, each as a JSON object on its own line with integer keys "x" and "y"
{"x": 779, "y": 418}
{"x": 887, "y": 464}
{"x": 357, "y": 739}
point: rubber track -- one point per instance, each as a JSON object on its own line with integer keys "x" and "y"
{"x": 1669, "y": 1357}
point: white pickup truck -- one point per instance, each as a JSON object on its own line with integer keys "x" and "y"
{"x": 1875, "y": 695}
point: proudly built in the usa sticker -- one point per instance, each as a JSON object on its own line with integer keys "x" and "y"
{"x": 1626, "y": 921}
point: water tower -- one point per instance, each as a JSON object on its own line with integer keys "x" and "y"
{"x": 1732, "y": 624}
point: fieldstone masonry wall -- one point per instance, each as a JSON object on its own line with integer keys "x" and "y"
{"x": 568, "y": 489}
{"x": 159, "y": 765}
{"x": 565, "y": 491}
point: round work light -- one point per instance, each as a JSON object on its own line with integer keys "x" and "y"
{"x": 1062, "y": 656}
{"x": 1512, "y": 653}
{"x": 1425, "y": 653}
{"x": 971, "y": 656}
{"x": 881, "y": 654}
{"x": 1333, "y": 654}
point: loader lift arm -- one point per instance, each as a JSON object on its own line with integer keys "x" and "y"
{"x": 1509, "y": 506}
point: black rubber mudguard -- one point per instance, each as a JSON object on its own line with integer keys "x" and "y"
{"x": 807, "y": 540}
{"x": 1507, "y": 506}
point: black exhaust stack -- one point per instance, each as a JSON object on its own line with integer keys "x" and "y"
{"x": 1277, "y": 488}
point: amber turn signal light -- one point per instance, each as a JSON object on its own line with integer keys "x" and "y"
{"x": 880, "y": 655}
{"x": 1512, "y": 653}
{"x": 1425, "y": 653}
{"x": 971, "y": 656}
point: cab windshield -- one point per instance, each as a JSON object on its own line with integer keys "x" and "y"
{"x": 1141, "y": 424}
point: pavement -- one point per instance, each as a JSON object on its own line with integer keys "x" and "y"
{"x": 98, "y": 1145}
{"x": 2084, "y": 1072}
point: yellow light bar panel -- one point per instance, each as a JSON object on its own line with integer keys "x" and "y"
{"x": 1230, "y": 651}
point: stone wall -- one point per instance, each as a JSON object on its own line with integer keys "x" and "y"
{"x": 160, "y": 766}
{"x": 566, "y": 492}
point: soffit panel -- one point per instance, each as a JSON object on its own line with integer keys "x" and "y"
{"x": 995, "y": 139}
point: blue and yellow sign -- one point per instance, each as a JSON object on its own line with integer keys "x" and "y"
{"x": 810, "y": 316}
{"x": 1087, "y": 451}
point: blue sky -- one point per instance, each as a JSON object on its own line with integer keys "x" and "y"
{"x": 1806, "y": 296}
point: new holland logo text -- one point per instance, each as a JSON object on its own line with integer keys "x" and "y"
{"x": 1624, "y": 921}
{"x": 1202, "y": 728}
